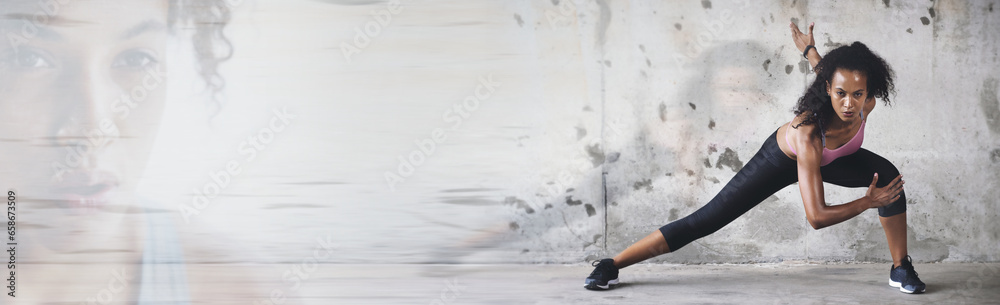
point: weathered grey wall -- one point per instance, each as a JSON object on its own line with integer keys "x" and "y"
{"x": 654, "y": 105}
{"x": 596, "y": 122}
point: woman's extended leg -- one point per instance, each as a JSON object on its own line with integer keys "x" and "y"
{"x": 648, "y": 247}
{"x": 767, "y": 172}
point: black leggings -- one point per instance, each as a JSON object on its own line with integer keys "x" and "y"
{"x": 769, "y": 171}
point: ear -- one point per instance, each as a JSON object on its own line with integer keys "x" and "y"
{"x": 828, "y": 92}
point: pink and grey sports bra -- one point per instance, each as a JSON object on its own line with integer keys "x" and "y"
{"x": 829, "y": 155}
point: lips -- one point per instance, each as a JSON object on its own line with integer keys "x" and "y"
{"x": 85, "y": 190}
{"x": 848, "y": 113}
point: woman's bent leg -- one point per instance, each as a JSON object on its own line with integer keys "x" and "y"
{"x": 856, "y": 170}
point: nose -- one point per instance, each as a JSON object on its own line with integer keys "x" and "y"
{"x": 84, "y": 125}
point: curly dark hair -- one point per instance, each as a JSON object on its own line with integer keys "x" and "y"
{"x": 207, "y": 19}
{"x": 855, "y": 57}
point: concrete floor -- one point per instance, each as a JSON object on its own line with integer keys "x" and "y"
{"x": 785, "y": 283}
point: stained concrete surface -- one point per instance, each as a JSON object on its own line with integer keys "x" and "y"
{"x": 783, "y": 283}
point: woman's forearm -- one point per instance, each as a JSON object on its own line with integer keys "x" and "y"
{"x": 831, "y": 215}
{"x": 814, "y": 57}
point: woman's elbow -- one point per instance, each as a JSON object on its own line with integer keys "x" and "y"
{"x": 816, "y": 222}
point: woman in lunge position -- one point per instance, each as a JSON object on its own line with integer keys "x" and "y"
{"x": 821, "y": 143}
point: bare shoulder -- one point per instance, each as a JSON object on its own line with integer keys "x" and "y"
{"x": 802, "y": 136}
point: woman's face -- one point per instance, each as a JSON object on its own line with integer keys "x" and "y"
{"x": 848, "y": 90}
{"x": 82, "y": 89}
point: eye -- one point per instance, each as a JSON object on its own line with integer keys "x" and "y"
{"x": 25, "y": 59}
{"x": 840, "y": 93}
{"x": 857, "y": 94}
{"x": 134, "y": 60}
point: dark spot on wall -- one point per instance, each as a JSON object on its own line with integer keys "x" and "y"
{"x": 520, "y": 22}
{"x": 706, "y": 4}
{"x": 571, "y": 202}
{"x": 570, "y": 190}
{"x": 762, "y": 21}
{"x": 607, "y": 63}
{"x": 995, "y": 156}
{"x": 711, "y": 124}
{"x": 731, "y": 159}
{"x": 693, "y": 106}
{"x": 649, "y": 63}
{"x": 518, "y": 203}
{"x": 513, "y": 226}
{"x": 596, "y": 154}
{"x": 642, "y": 48}
{"x": 555, "y": 2}
{"x": 612, "y": 157}
{"x": 587, "y": 108}
{"x": 713, "y": 179}
{"x": 925, "y": 21}
{"x": 804, "y": 67}
{"x": 990, "y": 105}
{"x": 991, "y": 7}
{"x": 886, "y": 2}
{"x": 766, "y": 63}
{"x": 909, "y": 30}
{"x": 580, "y": 133}
{"x": 603, "y": 21}
{"x": 690, "y": 172}
{"x": 614, "y": 203}
{"x": 772, "y": 18}
{"x": 646, "y": 184}
{"x": 590, "y": 210}
{"x": 663, "y": 112}
{"x": 795, "y": 21}
{"x": 708, "y": 163}
{"x": 673, "y": 215}
{"x": 789, "y": 68}
{"x": 547, "y": 206}
{"x": 678, "y": 26}
{"x": 931, "y": 11}
{"x": 830, "y": 44}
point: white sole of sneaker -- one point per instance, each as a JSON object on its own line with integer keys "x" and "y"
{"x": 610, "y": 283}
{"x": 899, "y": 285}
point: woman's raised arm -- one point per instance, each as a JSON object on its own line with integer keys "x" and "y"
{"x": 802, "y": 40}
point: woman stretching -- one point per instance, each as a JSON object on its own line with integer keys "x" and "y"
{"x": 821, "y": 143}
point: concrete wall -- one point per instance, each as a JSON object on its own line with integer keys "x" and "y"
{"x": 650, "y": 107}
{"x": 586, "y": 125}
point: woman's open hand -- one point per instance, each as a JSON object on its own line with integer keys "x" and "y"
{"x": 802, "y": 40}
{"x": 883, "y": 196}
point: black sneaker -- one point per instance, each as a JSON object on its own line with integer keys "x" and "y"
{"x": 604, "y": 277}
{"x": 906, "y": 278}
